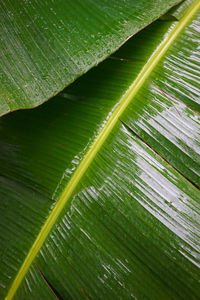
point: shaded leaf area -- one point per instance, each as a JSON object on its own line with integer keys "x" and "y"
{"x": 46, "y": 45}
{"x": 43, "y": 147}
{"x": 54, "y": 291}
{"x": 36, "y": 287}
{"x": 131, "y": 228}
{"x": 22, "y": 213}
{"x": 45, "y": 152}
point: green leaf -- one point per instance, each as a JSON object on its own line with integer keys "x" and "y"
{"x": 179, "y": 10}
{"x": 100, "y": 185}
{"x": 46, "y": 45}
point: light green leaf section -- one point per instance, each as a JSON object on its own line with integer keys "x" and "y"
{"x": 127, "y": 224}
{"x": 46, "y": 45}
{"x": 179, "y": 10}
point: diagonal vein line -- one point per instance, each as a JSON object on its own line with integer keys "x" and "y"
{"x": 100, "y": 139}
{"x": 141, "y": 139}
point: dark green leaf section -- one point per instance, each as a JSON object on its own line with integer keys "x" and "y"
{"x": 43, "y": 147}
{"x": 45, "y": 151}
{"x": 46, "y": 45}
{"x": 36, "y": 287}
{"x": 131, "y": 228}
{"x": 22, "y": 213}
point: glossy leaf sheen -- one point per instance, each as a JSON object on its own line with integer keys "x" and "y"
{"x": 46, "y": 45}
{"x": 131, "y": 227}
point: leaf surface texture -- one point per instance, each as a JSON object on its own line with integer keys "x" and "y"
{"x": 130, "y": 225}
{"x": 46, "y": 45}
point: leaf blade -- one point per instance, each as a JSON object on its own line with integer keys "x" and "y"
{"x": 187, "y": 192}
{"x": 47, "y": 45}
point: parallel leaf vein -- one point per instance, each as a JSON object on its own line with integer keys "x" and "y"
{"x": 100, "y": 139}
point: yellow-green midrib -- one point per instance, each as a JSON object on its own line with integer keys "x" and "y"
{"x": 83, "y": 166}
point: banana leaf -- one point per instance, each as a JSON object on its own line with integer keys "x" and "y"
{"x": 100, "y": 186}
{"x": 46, "y": 45}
